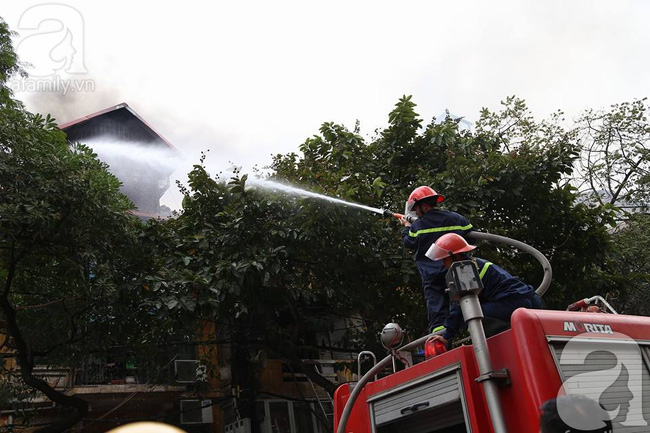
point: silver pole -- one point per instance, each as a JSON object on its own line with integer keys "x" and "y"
{"x": 473, "y": 314}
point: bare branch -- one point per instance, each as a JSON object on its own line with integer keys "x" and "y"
{"x": 47, "y": 304}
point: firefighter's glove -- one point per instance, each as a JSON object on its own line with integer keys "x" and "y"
{"x": 440, "y": 338}
{"x": 404, "y": 222}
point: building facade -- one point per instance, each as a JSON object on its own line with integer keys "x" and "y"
{"x": 140, "y": 157}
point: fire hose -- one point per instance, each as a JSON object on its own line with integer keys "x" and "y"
{"x": 546, "y": 265}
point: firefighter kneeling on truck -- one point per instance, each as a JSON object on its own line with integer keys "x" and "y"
{"x": 502, "y": 293}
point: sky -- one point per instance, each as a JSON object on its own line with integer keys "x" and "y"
{"x": 250, "y": 79}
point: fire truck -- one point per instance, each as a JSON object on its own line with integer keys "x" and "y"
{"x": 497, "y": 384}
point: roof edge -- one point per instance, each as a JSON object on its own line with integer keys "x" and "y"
{"x": 121, "y": 105}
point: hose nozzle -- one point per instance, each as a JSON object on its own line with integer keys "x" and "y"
{"x": 390, "y": 214}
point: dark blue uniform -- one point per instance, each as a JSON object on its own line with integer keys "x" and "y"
{"x": 419, "y": 237}
{"x": 502, "y": 294}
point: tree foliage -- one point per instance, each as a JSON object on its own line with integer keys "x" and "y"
{"x": 615, "y": 165}
{"x": 271, "y": 269}
{"x": 508, "y": 177}
{"x": 80, "y": 274}
{"x": 627, "y": 274}
{"x": 614, "y": 172}
{"x": 65, "y": 234}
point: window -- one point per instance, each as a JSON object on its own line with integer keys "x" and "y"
{"x": 303, "y": 416}
{"x": 283, "y": 416}
{"x": 279, "y": 415}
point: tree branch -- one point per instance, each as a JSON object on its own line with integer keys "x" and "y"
{"x": 26, "y": 363}
{"x": 47, "y": 304}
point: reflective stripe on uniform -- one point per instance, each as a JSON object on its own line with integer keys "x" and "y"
{"x": 484, "y": 269}
{"x": 439, "y": 229}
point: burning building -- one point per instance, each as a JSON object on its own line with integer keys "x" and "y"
{"x": 137, "y": 155}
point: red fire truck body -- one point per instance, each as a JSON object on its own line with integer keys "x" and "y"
{"x": 442, "y": 395}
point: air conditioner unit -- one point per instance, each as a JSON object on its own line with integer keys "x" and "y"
{"x": 241, "y": 426}
{"x": 189, "y": 371}
{"x": 196, "y": 411}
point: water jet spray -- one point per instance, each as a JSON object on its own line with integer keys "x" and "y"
{"x": 269, "y": 184}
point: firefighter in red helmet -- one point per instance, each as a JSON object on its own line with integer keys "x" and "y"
{"x": 502, "y": 293}
{"x": 432, "y": 223}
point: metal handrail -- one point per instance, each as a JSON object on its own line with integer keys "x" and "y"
{"x": 365, "y": 353}
{"x": 347, "y": 410}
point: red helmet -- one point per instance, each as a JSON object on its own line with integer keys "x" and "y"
{"x": 421, "y": 193}
{"x": 448, "y": 245}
